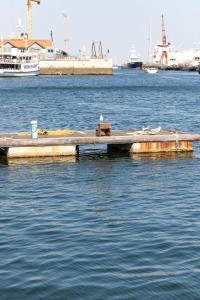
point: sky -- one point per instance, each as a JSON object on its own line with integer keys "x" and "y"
{"x": 117, "y": 24}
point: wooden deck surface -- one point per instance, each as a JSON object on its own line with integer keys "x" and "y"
{"x": 89, "y": 137}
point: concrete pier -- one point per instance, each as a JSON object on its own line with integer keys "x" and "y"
{"x": 79, "y": 66}
{"x": 134, "y": 141}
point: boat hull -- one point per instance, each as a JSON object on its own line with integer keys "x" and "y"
{"x": 152, "y": 71}
{"x": 18, "y": 74}
{"x": 133, "y": 65}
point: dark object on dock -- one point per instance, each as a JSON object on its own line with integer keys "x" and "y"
{"x": 104, "y": 129}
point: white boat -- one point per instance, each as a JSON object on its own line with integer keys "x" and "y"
{"x": 152, "y": 70}
{"x": 115, "y": 67}
{"x": 18, "y": 65}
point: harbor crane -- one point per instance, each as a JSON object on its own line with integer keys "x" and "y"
{"x": 96, "y": 54}
{"x": 29, "y": 5}
{"x": 165, "y": 45}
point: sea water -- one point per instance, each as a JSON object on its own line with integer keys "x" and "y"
{"x": 101, "y": 225}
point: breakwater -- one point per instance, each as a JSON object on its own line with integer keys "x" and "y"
{"x": 76, "y": 66}
{"x": 174, "y": 68}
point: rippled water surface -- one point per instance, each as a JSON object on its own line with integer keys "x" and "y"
{"x": 101, "y": 225}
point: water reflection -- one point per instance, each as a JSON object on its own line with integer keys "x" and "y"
{"x": 37, "y": 160}
{"x": 103, "y": 156}
{"x": 95, "y": 157}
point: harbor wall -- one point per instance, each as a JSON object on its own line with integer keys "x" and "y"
{"x": 88, "y": 66}
{"x": 179, "y": 67}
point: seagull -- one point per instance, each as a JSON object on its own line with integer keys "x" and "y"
{"x": 101, "y": 118}
{"x": 158, "y": 129}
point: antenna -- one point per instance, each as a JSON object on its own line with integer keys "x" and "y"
{"x": 66, "y": 40}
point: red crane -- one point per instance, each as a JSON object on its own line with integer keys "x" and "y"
{"x": 164, "y": 45}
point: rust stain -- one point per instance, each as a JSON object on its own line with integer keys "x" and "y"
{"x": 162, "y": 147}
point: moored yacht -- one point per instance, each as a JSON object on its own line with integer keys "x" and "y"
{"x": 134, "y": 60}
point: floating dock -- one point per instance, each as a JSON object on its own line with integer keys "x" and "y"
{"x": 134, "y": 141}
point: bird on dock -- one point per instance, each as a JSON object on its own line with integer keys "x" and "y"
{"x": 101, "y": 118}
{"x": 157, "y": 130}
{"x": 145, "y": 128}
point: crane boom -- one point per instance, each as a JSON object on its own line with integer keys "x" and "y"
{"x": 29, "y": 5}
{"x": 164, "y": 38}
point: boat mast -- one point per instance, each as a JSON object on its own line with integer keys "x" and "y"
{"x": 149, "y": 46}
{"x": 66, "y": 40}
{"x": 2, "y": 46}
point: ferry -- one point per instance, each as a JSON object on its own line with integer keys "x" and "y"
{"x": 19, "y": 65}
